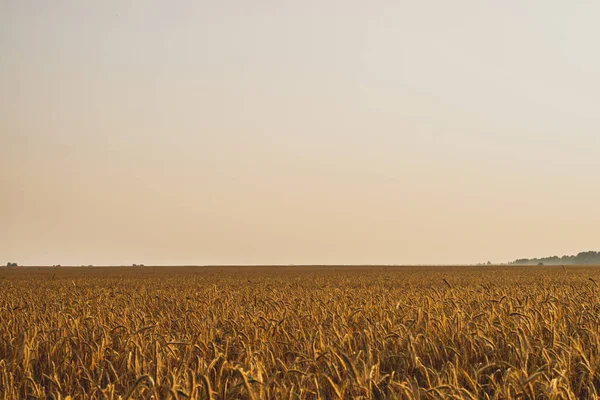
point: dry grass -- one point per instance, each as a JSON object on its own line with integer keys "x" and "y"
{"x": 300, "y": 332}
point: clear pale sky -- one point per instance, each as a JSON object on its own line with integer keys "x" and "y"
{"x": 197, "y": 132}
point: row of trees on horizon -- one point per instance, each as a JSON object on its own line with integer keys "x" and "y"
{"x": 585, "y": 257}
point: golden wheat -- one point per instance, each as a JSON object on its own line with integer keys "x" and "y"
{"x": 300, "y": 333}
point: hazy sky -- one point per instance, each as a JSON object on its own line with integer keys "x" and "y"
{"x": 201, "y": 132}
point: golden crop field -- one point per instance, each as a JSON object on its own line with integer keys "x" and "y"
{"x": 300, "y": 332}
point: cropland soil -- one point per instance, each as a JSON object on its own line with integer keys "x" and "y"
{"x": 300, "y": 332}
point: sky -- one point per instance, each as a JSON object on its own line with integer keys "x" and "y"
{"x": 298, "y": 132}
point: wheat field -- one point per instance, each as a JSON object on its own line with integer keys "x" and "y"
{"x": 502, "y": 332}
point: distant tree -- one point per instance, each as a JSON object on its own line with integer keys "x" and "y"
{"x": 12, "y": 264}
{"x": 489, "y": 263}
{"x": 540, "y": 264}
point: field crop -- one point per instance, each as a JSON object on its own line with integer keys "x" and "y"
{"x": 300, "y": 332}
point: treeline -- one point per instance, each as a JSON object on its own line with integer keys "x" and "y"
{"x": 585, "y": 257}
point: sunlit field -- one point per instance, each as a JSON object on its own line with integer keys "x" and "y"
{"x": 299, "y": 332}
